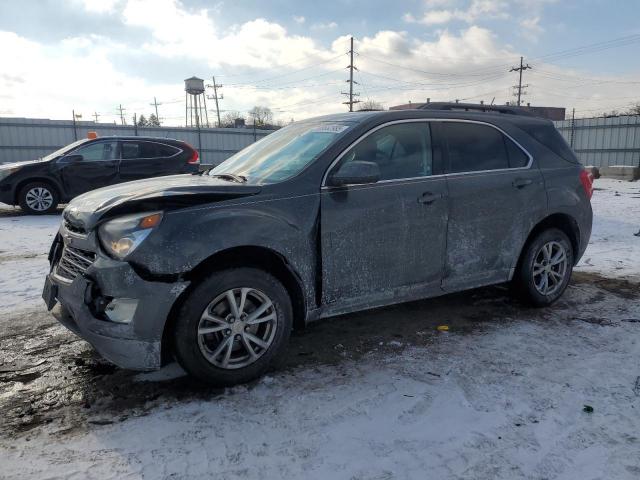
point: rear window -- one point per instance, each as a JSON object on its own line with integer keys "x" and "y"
{"x": 132, "y": 150}
{"x": 473, "y": 147}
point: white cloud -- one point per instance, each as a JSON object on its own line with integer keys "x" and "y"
{"x": 474, "y": 11}
{"x": 531, "y": 28}
{"x": 99, "y": 6}
{"x": 299, "y": 19}
{"x": 324, "y": 26}
{"x": 261, "y": 62}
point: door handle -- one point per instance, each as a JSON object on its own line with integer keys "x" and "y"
{"x": 522, "y": 182}
{"x": 428, "y": 198}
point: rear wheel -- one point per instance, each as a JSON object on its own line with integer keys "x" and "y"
{"x": 545, "y": 268}
{"x": 233, "y": 326}
{"x": 38, "y": 198}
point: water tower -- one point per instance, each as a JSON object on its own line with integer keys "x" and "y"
{"x": 195, "y": 108}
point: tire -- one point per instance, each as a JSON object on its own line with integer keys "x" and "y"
{"x": 542, "y": 258}
{"x": 38, "y": 198}
{"x": 207, "y": 310}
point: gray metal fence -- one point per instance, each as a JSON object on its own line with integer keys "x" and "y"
{"x": 597, "y": 141}
{"x": 604, "y": 141}
{"x": 26, "y": 138}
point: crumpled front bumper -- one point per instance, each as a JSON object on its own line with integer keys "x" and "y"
{"x": 135, "y": 345}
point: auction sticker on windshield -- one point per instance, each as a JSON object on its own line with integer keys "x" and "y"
{"x": 330, "y": 128}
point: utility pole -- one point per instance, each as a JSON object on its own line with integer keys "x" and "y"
{"x": 96, "y": 115}
{"x": 351, "y": 68}
{"x": 216, "y": 97}
{"x": 573, "y": 126}
{"x": 156, "y": 104}
{"x": 122, "y": 110}
{"x": 75, "y": 129}
{"x": 520, "y": 69}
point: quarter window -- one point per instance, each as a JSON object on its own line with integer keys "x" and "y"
{"x": 517, "y": 158}
{"x": 401, "y": 151}
{"x": 97, "y": 152}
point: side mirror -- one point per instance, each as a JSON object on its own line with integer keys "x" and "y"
{"x": 73, "y": 158}
{"x": 355, "y": 173}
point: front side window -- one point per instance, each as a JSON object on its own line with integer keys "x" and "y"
{"x": 474, "y": 147}
{"x": 282, "y": 154}
{"x": 401, "y": 151}
{"x": 97, "y": 152}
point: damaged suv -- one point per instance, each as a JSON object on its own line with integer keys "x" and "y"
{"x": 324, "y": 217}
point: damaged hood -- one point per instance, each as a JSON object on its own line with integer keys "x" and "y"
{"x": 162, "y": 193}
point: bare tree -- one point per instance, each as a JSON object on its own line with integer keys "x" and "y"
{"x": 261, "y": 116}
{"x": 369, "y": 105}
{"x": 228, "y": 120}
{"x": 635, "y": 110}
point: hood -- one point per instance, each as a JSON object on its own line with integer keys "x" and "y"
{"x": 162, "y": 193}
{"x": 25, "y": 163}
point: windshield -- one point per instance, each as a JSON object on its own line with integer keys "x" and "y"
{"x": 282, "y": 154}
{"x": 63, "y": 150}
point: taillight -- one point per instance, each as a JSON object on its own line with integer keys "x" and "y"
{"x": 586, "y": 177}
{"x": 194, "y": 157}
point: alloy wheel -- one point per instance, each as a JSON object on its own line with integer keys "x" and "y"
{"x": 39, "y": 199}
{"x": 237, "y": 328}
{"x": 550, "y": 268}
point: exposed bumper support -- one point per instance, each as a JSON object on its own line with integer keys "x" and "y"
{"x": 134, "y": 345}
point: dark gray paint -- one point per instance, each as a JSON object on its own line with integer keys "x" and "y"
{"x": 348, "y": 248}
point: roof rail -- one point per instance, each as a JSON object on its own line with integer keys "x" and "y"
{"x": 476, "y": 107}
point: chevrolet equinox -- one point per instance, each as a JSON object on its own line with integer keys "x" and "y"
{"x": 326, "y": 216}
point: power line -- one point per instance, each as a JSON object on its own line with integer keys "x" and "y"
{"x": 96, "y": 115}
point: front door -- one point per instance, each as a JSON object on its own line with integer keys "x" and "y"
{"x": 384, "y": 242}
{"x": 97, "y": 168}
{"x": 495, "y": 196}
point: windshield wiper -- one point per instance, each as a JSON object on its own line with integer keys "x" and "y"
{"x": 231, "y": 176}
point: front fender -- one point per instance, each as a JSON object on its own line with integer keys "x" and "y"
{"x": 287, "y": 226}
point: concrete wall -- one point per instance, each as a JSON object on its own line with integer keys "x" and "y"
{"x": 26, "y": 138}
{"x": 604, "y": 141}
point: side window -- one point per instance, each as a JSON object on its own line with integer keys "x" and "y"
{"x": 517, "y": 158}
{"x": 401, "y": 151}
{"x": 473, "y": 147}
{"x": 148, "y": 150}
{"x": 97, "y": 152}
{"x": 130, "y": 150}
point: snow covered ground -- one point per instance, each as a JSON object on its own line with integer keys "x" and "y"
{"x": 501, "y": 395}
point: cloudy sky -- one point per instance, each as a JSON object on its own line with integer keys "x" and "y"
{"x": 93, "y": 55}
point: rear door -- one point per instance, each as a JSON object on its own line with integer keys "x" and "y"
{"x": 97, "y": 168}
{"x": 384, "y": 242}
{"x": 495, "y": 195}
{"x": 144, "y": 159}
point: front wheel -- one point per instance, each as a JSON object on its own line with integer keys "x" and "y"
{"x": 545, "y": 268}
{"x": 233, "y": 326}
{"x": 38, "y": 198}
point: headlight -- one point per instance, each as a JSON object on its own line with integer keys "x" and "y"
{"x": 5, "y": 172}
{"x": 122, "y": 235}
